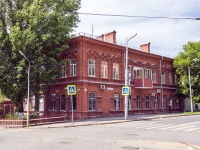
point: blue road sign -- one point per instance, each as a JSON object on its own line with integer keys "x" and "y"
{"x": 125, "y": 90}
{"x": 71, "y": 89}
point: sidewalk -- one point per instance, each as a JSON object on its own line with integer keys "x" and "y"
{"x": 108, "y": 120}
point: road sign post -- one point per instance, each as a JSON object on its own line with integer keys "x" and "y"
{"x": 71, "y": 90}
{"x": 125, "y": 92}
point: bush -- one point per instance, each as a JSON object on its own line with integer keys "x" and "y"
{"x": 10, "y": 116}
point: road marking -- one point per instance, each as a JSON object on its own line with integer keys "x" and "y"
{"x": 185, "y": 127}
{"x": 147, "y": 125}
{"x": 186, "y": 124}
{"x": 162, "y": 125}
{"x": 193, "y": 129}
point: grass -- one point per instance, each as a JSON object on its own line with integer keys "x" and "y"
{"x": 192, "y": 113}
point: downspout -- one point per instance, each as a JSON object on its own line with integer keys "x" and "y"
{"x": 161, "y": 82}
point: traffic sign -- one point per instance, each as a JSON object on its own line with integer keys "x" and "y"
{"x": 125, "y": 90}
{"x": 71, "y": 89}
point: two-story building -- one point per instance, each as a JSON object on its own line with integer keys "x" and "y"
{"x": 96, "y": 65}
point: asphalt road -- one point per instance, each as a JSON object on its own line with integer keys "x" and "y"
{"x": 175, "y": 133}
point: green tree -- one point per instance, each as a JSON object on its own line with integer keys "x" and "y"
{"x": 189, "y": 58}
{"x": 1, "y": 100}
{"x": 40, "y": 29}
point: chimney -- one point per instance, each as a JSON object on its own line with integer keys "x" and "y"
{"x": 101, "y": 37}
{"x": 111, "y": 37}
{"x": 145, "y": 47}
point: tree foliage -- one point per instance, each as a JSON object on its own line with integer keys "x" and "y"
{"x": 40, "y": 29}
{"x": 187, "y": 60}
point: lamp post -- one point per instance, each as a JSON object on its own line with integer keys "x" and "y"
{"x": 190, "y": 84}
{"x": 126, "y": 78}
{"x": 27, "y": 123}
{"x": 190, "y": 88}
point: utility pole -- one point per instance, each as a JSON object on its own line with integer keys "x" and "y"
{"x": 28, "y": 87}
{"x": 126, "y": 78}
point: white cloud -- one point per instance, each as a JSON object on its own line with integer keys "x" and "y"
{"x": 166, "y": 35}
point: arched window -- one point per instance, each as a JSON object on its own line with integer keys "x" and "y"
{"x": 92, "y": 101}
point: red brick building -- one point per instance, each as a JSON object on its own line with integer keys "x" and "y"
{"x": 96, "y": 66}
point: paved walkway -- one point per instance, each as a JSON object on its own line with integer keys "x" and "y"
{"x": 108, "y": 120}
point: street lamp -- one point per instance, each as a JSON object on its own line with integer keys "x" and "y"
{"x": 27, "y": 124}
{"x": 126, "y": 79}
{"x": 190, "y": 88}
{"x": 190, "y": 85}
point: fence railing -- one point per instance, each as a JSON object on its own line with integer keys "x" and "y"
{"x": 17, "y": 123}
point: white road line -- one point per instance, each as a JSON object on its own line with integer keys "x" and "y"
{"x": 192, "y": 129}
{"x": 170, "y": 127}
{"x": 147, "y": 125}
{"x": 126, "y": 125}
{"x": 185, "y": 127}
{"x": 162, "y": 125}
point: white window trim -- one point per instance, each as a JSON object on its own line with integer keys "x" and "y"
{"x": 170, "y": 78}
{"x": 163, "y": 77}
{"x": 115, "y": 71}
{"x": 73, "y": 67}
{"x": 104, "y": 66}
{"x": 153, "y": 76}
{"x": 91, "y": 66}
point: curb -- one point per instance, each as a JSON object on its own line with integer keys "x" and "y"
{"x": 109, "y": 122}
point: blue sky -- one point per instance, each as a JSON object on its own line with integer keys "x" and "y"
{"x": 165, "y": 35}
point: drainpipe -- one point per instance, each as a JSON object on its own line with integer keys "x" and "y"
{"x": 161, "y": 82}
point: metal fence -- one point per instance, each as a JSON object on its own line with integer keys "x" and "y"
{"x": 17, "y": 123}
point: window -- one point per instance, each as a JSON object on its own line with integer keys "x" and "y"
{"x": 116, "y": 101}
{"x": 171, "y": 100}
{"x": 137, "y": 73}
{"x": 91, "y": 67}
{"x": 53, "y": 102}
{"x": 62, "y": 102}
{"x": 104, "y": 71}
{"x": 72, "y": 67}
{"x": 63, "y": 70}
{"x": 164, "y": 101}
{"x": 138, "y": 97}
{"x": 147, "y": 74}
{"x": 33, "y": 102}
{"x": 129, "y": 75}
{"x": 162, "y": 77}
{"x": 147, "y": 102}
{"x": 73, "y": 103}
{"x": 115, "y": 71}
{"x": 92, "y": 101}
{"x": 170, "y": 78}
{"x": 175, "y": 79}
{"x": 154, "y": 76}
{"x": 155, "y": 102}
{"x": 129, "y": 102}
{"x": 41, "y": 104}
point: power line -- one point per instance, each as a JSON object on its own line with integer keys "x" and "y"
{"x": 130, "y": 16}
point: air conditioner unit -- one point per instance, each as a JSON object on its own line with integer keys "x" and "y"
{"x": 102, "y": 87}
{"x": 153, "y": 94}
{"x": 158, "y": 90}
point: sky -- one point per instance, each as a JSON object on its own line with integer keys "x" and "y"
{"x": 167, "y": 36}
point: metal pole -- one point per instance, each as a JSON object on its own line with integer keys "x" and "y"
{"x": 71, "y": 98}
{"x": 190, "y": 88}
{"x": 126, "y": 79}
{"x": 27, "y": 123}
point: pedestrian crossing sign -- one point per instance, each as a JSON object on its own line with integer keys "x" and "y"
{"x": 125, "y": 90}
{"x": 71, "y": 89}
